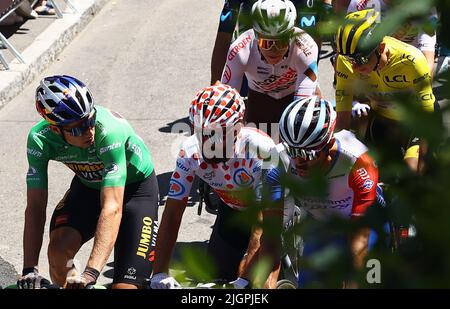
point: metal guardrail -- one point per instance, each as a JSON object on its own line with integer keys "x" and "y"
{"x": 7, "y": 7}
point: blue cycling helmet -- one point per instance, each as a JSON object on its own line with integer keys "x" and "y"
{"x": 63, "y": 99}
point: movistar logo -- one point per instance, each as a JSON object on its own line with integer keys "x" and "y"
{"x": 224, "y": 17}
{"x": 307, "y": 22}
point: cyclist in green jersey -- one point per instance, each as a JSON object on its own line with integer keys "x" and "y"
{"x": 113, "y": 196}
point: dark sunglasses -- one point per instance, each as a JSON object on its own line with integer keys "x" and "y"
{"x": 304, "y": 154}
{"x": 86, "y": 124}
{"x": 359, "y": 59}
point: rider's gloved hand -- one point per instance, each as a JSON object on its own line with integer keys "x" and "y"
{"x": 87, "y": 278}
{"x": 31, "y": 279}
{"x": 360, "y": 109}
{"x": 240, "y": 283}
{"x": 163, "y": 281}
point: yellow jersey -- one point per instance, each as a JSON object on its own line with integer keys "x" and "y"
{"x": 406, "y": 72}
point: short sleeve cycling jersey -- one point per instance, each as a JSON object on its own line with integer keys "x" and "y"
{"x": 411, "y": 33}
{"x": 352, "y": 181}
{"x": 296, "y": 73}
{"x": 117, "y": 157}
{"x": 229, "y": 179}
{"x": 406, "y": 73}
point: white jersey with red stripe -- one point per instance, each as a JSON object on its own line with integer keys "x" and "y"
{"x": 410, "y": 32}
{"x": 241, "y": 172}
{"x": 352, "y": 180}
{"x": 296, "y": 73}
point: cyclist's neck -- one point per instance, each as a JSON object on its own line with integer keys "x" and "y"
{"x": 385, "y": 56}
{"x": 332, "y": 153}
{"x": 271, "y": 62}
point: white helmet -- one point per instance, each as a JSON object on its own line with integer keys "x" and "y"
{"x": 273, "y": 18}
{"x": 307, "y": 126}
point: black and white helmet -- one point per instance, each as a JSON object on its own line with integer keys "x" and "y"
{"x": 307, "y": 125}
{"x": 273, "y": 18}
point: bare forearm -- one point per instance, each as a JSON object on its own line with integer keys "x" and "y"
{"x": 34, "y": 226}
{"x": 219, "y": 55}
{"x": 167, "y": 237}
{"x": 423, "y": 149}
{"x": 33, "y": 235}
{"x": 105, "y": 237}
{"x": 271, "y": 249}
{"x": 252, "y": 254}
{"x": 107, "y": 226}
{"x": 343, "y": 120}
{"x": 271, "y": 243}
{"x": 359, "y": 247}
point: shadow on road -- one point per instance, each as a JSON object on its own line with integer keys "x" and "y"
{"x": 16, "y": 28}
{"x": 182, "y": 125}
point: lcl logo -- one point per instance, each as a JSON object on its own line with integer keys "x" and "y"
{"x": 396, "y": 79}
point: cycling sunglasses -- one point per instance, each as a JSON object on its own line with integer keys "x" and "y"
{"x": 359, "y": 59}
{"x": 304, "y": 154}
{"x": 266, "y": 44}
{"x": 85, "y": 125}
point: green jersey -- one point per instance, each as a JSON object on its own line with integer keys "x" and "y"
{"x": 117, "y": 157}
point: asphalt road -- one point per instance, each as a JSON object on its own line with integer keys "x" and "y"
{"x": 143, "y": 58}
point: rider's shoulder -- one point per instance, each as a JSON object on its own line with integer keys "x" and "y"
{"x": 41, "y": 134}
{"x": 256, "y": 136}
{"x": 245, "y": 38}
{"x": 41, "y": 128}
{"x": 343, "y": 65}
{"x": 189, "y": 148}
{"x": 349, "y": 144}
{"x": 110, "y": 124}
{"x": 303, "y": 41}
{"x": 284, "y": 161}
{"x": 241, "y": 48}
{"x": 106, "y": 115}
{"x": 405, "y": 54}
{"x": 254, "y": 141}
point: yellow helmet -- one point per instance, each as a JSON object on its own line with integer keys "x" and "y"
{"x": 356, "y": 35}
